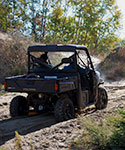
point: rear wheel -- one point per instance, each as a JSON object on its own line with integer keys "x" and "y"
{"x": 64, "y": 110}
{"x": 18, "y": 106}
{"x": 102, "y": 99}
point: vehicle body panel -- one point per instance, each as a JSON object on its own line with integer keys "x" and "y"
{"x": 40, "y": 85}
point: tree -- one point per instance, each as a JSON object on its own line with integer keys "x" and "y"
{"x": 91, "y": 22}
{"x": 120, "y": 43}
{"x": 5, "y": 22}
{"x": 96, "y": 21}
{"x": 60, "y": 25}
{"x": 37, "y": 14}
{"x": 12, "y": 14}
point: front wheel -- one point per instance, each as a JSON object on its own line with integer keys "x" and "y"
{"x": 102, "y": 99}
{"x": 18, "y": 106}
{"x": 64, "y": 110}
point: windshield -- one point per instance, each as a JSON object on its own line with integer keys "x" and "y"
{"x": 56, "y": 58}
{"x": 41, "y": 60}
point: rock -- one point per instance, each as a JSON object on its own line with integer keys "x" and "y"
{"x": 123, "y": 96}
{"x": 45, "y": 145}
{"x": 68, "y": 132}
{"x": 5, "y": 103}
{"x": 62, "y": 145}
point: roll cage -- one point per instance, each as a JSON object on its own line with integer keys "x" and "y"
{"x": 60, "y": 48}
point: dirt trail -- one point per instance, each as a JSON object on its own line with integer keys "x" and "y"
{"x": 42, "y": 129}
{"x": 23, "y": 125}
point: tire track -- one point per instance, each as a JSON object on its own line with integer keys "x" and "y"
{"x": 24, "y": 125}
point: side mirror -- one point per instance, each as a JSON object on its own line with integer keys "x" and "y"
{"x": 66, "y": 60}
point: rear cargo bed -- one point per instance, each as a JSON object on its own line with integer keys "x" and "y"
{"x": 23, "y": 84}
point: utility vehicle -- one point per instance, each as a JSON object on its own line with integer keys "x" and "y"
{"x": 64, "y": 86}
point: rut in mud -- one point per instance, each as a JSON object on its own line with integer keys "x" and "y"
{"x": 43, "y": 130}
{"x": 23, "y": 124}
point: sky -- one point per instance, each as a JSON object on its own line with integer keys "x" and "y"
{"x": 121, "y": 5}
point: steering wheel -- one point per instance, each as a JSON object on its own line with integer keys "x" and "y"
{"x": 38, "y": 61}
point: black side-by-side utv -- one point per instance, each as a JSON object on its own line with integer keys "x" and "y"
{"x": 64, "y": 84}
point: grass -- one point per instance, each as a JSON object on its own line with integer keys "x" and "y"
{"x": 18, "y": 141}
{"x": 108, "y": 134}
{"x": 2, "y": 92}
{"x": 117, "y": 139}
{"x": 1, "y": 86}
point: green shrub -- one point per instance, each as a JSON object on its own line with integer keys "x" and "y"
{"x": 2, "y": 92}
{"x": 117, "y": 140}
{"x": 107, "y": 134}
{"x": 95, "y": 135}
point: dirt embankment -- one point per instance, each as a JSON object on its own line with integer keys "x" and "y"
{"x": 13, "y": 53}
{"x": 113, "y": 66}
{"x": 42, "y": 130}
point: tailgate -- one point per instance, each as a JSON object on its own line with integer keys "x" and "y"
{"x": 30, "y": 85}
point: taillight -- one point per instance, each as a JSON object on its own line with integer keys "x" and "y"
{"x": 56, "y": 86}
{"x": 5, "y": 85}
